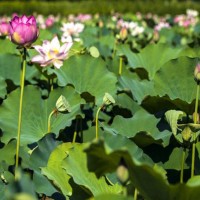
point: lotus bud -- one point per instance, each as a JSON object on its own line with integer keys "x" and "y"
{"x": 62, "y": 105}
{"x": 4, "y": 28}
{"x": 123, "y": 33}
{"x": 108, "y": 99}
{"x": 197, "y": 117}
{"x": 186, "y": 134}
{"x": 122, "y": 172}
{"x": 197, "y": 73}
{"x": 23, "y": 30}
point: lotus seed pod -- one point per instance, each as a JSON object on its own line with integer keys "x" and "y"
{"x": 197, "y": 73}
{"x": 62, "y": 105}
{"x": 186, "y": 133}
{"x": 108, "y": 99}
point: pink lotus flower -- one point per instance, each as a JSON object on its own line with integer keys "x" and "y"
{"x": 49, "y": 21}
{"x": 23, "y": 30}
{"x": 51, "y": 53}
{"x": 4, "y": 28}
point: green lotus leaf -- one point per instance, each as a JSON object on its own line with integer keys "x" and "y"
{"x": 111, "y": 197}
{"x": 76, "y": 166}
{"x": 87, "y": 74}
{"x": 152, "y": 57}
{"x": 54, "y": 170}
{"x": 176, "y": 80}
{"x": 139, "y": 89}
{"x": 2, "y": 190}
{"x": 130, "y": 127}
{"x": 39, "y": 158}
{"x": 2, "y": 87}
{"x": 155, "y": 185}
{"x": 175, "y": 160}
{"x": 10, "y": 67}
{"x": 8, "y": 47}
{"x": 35, "y": 114}
{"x": 172, "y": 117}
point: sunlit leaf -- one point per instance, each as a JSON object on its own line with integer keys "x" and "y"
{"x": 87, "y": 74}
{"x": 54, "y": 170}
{"x": 76, "y": 166}
{"x": 172, "y": 117}
{"x": 35, "y": 114}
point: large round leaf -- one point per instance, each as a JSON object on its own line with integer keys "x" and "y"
{"x": 35, "y": 113}
{"x": 152, "y": 57}
{"x": 54, "y": 170}
{"x": 76, "y": 166}
{"x": 150, "y": 182}
{"x": 2, "y": 87}
{"x": 176, "y": 80}
{"x": 10, "y": 67}
{"x": 139, "y": 89}
{"x": 38, "y": 159}
{"x": 140, "y": 122}
{"x": 87, "y": 74}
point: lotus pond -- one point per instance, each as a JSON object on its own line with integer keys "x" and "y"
{"x": 100, "y": 107}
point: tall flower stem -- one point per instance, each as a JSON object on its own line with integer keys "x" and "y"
{"x": 194, "y": 134}
{"x": 97, "y": 121}
{"x": 49, "y": 120}
{"x": 182, "y": 165}
{"x": 135, "y": 194}
{"x": 120, "y": 65}
{"x": 22, "y": 81}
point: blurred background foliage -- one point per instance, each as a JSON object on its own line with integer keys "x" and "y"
{"x": 64, "y": 7}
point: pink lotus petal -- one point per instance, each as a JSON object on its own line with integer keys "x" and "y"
{"x": 55, "y": 44}
{"x": 65, "y": 47}
{"x": 58, "y": 64}
{"x": 38, "y": 59}
{"x": 24, "y": 19}
{"x": 39, "y": 49}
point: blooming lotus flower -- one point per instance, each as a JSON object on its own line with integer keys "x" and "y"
{"x": 51, "y": 53}
{"x": 23, "y": 30}
{"x": 72, "y": 29}
{"x": 4, "y": 28}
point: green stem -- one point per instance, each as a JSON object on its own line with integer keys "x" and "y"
{"x": 96, "y": 122}
{"x": 124, "y": 191}
{"x": 49, "y": 120}
{"x": 22, "y": 81}
{"x": 135, "y": 194}
{"x": 75, "y": 131}
{"x": 194, "y": 134}
{"x": 114, "y": 49}
{"x": 182, "y": 165}
{"x": 120, "y": 65}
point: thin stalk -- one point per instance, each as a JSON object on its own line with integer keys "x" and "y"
{"x": 120, "y": 65}
{"x": 194, "y": 134}
{"x": 75, "y": 131}
{"x": 96, "y": 122}
{"x": 20, "y": 110}
{"x": 182, "y": 165}
{"x": 49, "y": 120}
{"x": 114, "y": 49}
{"x": 135, "y": 194}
